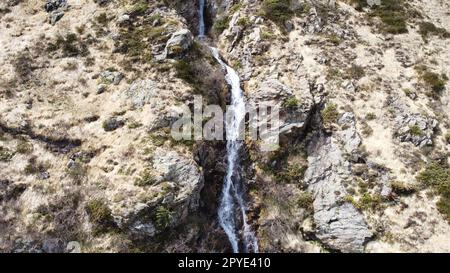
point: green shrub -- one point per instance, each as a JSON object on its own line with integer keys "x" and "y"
{"x": 243, "y": 22}
{"x": 163, "y": 217}
{"x": 291, "y": 102}
{"x": 329, "y": 114}
{"x": 24, "y": 147}
{"x": 293, "y": 173}
{"x": 434, "y": 81}
{"x": 102, "y": 19}
{"x": 221, "y": 24}
{"x": 5, "y": 154}
{"x": 370, "y": 116}
{"x": 69, "y": 45}
{"x": 415, "y": 130}
{"x": 356, "y": 72}
{"x": 437, "y": 176}
{"x": 278, "y": 11}
{"x": 447, "y": 137}
{"x": 305, "y": 200}
{"x": 100, "y": 215}
{"x": 402, "y": 188}
{"x": 427, "y": 29}
{"x": 393, "y": 15}
{"x": 146, "y": 178}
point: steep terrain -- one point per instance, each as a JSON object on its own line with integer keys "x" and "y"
{"x": 89, "y": 90}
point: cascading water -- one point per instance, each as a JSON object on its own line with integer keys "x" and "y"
{"x": 232, "y": 192}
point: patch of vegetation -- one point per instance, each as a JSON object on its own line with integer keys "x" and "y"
{"x": 146, "y": 178}
{"x": 437, "y": 176}
{"x": 34, "y": 166}
{"x": 139, "y": 8}
{"x": 243, "y": 22}
{"x": 291, "y": 102}
{"x": 100, "y": 215}
{"x": 305, "y": 200}
{"x": 77, "y": 171}
{"x": 163, "y": 217}
{"x": 293, "y": 173}
{"x": 415, "y": 130}
{"x": 221, "y": 24}
{"x": 366, "y": 129}
{"x": 70, "y": 45}
{"x": 392, "y": 14}
{"x": 23, "y": 67}
{"x": 447, "y": 137}
{"x": 370, "y": 116}
{"x": 24, "y": 147}
{"x": 278, "y": 11}
{"x": 426, "y": 29}
{"x": 402, "y": 188}
{"x": 356, "y": 72}
{"x": 5, "y": 154}
{"x": 435, "y": 82}
{"x": 366, "y": 202}
{"x": 102, "y": 19}
{"x": 329, "y": 114}
{"x": 334, "y": 39}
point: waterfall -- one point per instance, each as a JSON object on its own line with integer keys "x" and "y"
{"x": 232, "y": 191}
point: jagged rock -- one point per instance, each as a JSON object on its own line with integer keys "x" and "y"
{"x": 179, "y": 43}
{"x": 412, "y": 127}
{"x": 113, "y": 77}
{"x": 53, "y": 5}
{"x": 55, "y": 16}
{"x": 101, "y": 88}
{"x": 348, "y": 135}
{"x": 123, "y": 20}
{"x": 339, "y": 225}
{"x": 142, "y": 92}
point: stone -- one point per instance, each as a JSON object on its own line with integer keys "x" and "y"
{"x": 113, "y": 77}
{"x": 179, "y": 43}
{"x": 101, "y": 88}
{"x": 339, "y": 225}
{"x": 142, "y": 92}
{"x": 55, "y": 16}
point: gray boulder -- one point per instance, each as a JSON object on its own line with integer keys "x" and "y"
{"x": 339, "y": 225}
{"x": 179, "y": 44}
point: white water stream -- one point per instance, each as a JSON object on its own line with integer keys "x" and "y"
{"x": 232, "y": 191}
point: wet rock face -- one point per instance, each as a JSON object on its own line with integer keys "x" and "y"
{"x": 339, "y": 225}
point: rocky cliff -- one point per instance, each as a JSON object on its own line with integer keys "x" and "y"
{"x": 90, "y": 89}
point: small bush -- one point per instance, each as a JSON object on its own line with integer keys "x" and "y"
{"x": 243, "y": 22}
{"x": 305, "y": 200}
{"x": 278, "y": 11}
{"x": 392, "y": 14}
{"x": 221, "y": 24}
{"x": 102, "y": 19}
{"x": 293, "y": 173}
{"x": 69, "y": 45}
{"x": 163, "y": 217}
{"x": 434, "y": 81}
{"x": 100, "y": 215}
{"x": 370, "y": 116}
{"x": 401, "y": 188}
{"x": 291, "y": 102}
{"x": 356, "y": 72}
{"x": 415, "y": 130}
{"x": 146, "y": 178}
{"x": 329, "y": 114}
{"x": 447, "y": 137}
{"x": 5, "y": 154}
{"x": 437, "y": 176}
{"x": 427, "y": 29}
{"x": 24, "y": 147}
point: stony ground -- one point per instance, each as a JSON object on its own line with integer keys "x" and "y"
{"x": 90, "y": 88}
